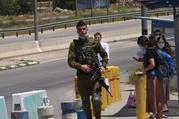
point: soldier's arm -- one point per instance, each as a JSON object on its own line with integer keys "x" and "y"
{"x": 72, "y": 57}
{"x": 102, "y": 53}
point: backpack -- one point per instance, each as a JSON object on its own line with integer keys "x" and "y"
{"x": 166, "y": 64}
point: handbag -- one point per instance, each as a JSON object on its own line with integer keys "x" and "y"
{"x": 131, "y": 101}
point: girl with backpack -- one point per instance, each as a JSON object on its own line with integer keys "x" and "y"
{"x": 155, "y": 92}
{"x": 163, "y": 45}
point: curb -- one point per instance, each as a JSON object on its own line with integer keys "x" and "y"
{"x": 22, "y": 64}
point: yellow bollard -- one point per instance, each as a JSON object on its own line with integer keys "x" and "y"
{"x": 114, "y": 87}
{"x": 112, "y": 90}
{"x": 109, "y": 72}
{"x": 118, "y": 89}
{"x": 140, "y": 86}
{"x": 109, "y": 98}
{"x": 104, "y": 95}
{"x": 104, "y": 99}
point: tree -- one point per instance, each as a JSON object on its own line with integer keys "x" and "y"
{"x": 26, "y": 6}
{"x": 16, "y": 7}
{"x": 9, "y": 7}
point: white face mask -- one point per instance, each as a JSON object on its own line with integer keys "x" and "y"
{"x": 160, "y": 45}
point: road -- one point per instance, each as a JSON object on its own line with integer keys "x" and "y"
{"x": 56, "y": 77}
{"x": 107, "y": 29}
{"x": 116, "y": 29}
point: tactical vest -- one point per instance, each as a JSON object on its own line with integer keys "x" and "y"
{"x": 86, "y": 54}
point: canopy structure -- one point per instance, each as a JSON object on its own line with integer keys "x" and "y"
{"x": 160, "y": 3}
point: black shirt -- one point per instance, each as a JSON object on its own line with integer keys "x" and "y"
{"x": 150, "y": 53}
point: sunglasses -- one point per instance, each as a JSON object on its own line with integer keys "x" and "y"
{"x": 97, "y": 37}
{"x": 82, "y": 29}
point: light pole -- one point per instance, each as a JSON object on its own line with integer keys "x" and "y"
{"x": 144, "y": 22}
{"x": 107, "y": 7}
{"x": 35, "y": 21}
{"x": 76, "y": 8}
{"x": 91, "y": 3}
{"x": 36, "y": 27}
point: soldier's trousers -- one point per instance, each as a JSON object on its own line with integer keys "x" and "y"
{"x": 86, "y": 89}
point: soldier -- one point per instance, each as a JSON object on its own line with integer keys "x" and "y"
{"x": 82, "y": 56}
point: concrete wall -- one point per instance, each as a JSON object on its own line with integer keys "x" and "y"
{"x": 3, "y": 109}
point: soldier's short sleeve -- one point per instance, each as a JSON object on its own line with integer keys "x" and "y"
{"x": 72, "y": 57}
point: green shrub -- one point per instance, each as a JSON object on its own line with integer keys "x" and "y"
{"x": 16, "y": 7}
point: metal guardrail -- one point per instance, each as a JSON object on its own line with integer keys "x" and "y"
{"x": 89, "y": 19}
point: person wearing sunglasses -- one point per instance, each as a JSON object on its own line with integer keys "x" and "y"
{"x": 98, "y": 38}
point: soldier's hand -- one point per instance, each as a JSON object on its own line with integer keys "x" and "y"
{"x": 102, "y": 69}
{"x": 86, "y": 68}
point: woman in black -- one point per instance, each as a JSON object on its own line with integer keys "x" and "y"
{"x": 155, "y": 93}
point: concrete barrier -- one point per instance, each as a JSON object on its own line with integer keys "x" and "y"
{"x": 3, "y": 108}
{"x": 45, "y": 112}
{"x": 69, "y": 109}
{"x": 30, "y": 101}
{"x": 19, "y": 115}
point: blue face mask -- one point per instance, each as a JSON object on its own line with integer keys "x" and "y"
{"x": 161, "y": 45}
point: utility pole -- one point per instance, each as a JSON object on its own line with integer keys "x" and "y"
{"x": 76, "y": 8}
{"x": 144, "y": 22}
{"x": 91, "y": 8}
{"x": 107, "y": 7}
{"x": 35, "y": 21}
{"x": 36, "y": 26}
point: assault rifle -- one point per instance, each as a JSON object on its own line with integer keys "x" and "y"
{"x": 97, "y": 77}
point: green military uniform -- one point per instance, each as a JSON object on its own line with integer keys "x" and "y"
{"x": 84, "y": 51}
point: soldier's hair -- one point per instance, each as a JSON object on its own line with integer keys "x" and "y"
{"x": 98, "y": 33}
{"x": 80, "y": 23}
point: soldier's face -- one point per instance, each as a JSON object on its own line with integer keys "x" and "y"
{"x": 82, "y": 31}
